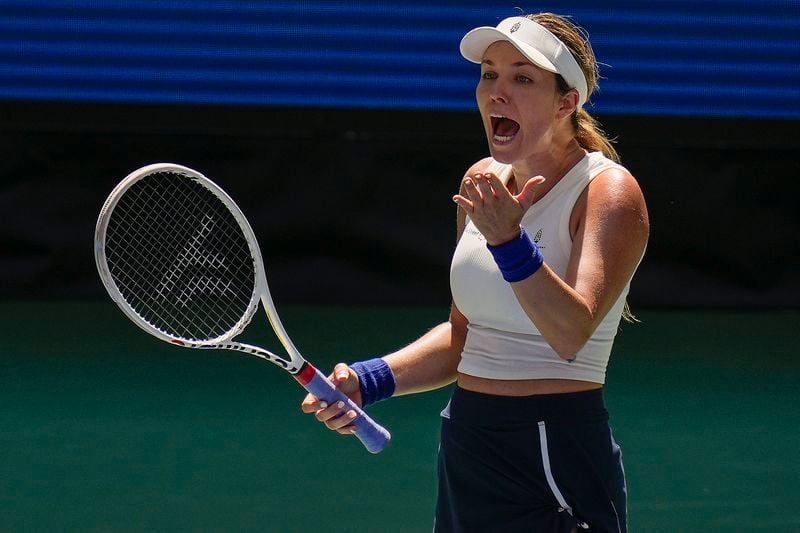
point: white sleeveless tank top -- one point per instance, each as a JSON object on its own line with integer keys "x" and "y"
{"x": 502, "y": 341}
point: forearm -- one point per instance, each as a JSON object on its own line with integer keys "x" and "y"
{"x": 430, "y": 362}
{"x": 559, "y": 312}
{"x": 563, "y": 317}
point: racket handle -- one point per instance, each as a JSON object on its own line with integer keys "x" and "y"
{"x": 373, "y": 436}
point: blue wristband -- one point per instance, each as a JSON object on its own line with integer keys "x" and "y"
{"x": 518, "y": 258}
{"x": 375, "y": 379}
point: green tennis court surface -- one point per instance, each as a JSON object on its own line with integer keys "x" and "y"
{"x": 104, "y": 428}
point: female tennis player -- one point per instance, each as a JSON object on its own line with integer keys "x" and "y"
{"x": 550, "y": 231}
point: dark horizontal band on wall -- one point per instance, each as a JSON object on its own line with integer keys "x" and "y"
{"x": 353, "y": 124}
{"x": 353, "y": 206}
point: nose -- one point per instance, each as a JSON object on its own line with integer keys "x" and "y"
{"x": 497, "y": 94}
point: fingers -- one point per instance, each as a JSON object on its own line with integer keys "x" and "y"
{"x": 483, "y": 184}
{"x": 337, "y": 418}
{"x": 478, "y": 189}
{"x": 499, "y": 189}
{"x": 486, "y": 186}
{"x": 464, "y": 203}
{"x": 472, "y": 193}
{"x": 311, "y": 404}
{"x": 525, "y": 197}
{"x": 481, "y": 189}
{"x": 340, "y": 374}
{"x": 334, "y": 416}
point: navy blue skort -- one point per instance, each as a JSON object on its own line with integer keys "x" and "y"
{"x": 544, "y": 463}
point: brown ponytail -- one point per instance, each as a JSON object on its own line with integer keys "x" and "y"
{"x": 591, "y": 137}
{"x": 587, "y": 130}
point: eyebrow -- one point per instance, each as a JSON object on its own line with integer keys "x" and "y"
{"x": 517, "y": 64}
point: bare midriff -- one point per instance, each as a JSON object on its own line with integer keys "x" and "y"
{"x": 524, "y": 387}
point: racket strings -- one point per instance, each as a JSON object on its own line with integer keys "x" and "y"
{"x": 194, "y": 253}
{"x": 181, "y": 314}
{"x": 180, "y": 258}
{"x": 206, "y": 315}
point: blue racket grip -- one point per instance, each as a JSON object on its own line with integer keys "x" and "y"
{"x": 373, "y": 436}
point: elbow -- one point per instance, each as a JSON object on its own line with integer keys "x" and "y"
{"x": 568, "y": 345}
{"x": 567, "y": 352}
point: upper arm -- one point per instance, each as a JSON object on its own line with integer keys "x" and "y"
{"x": 611, "y": 229}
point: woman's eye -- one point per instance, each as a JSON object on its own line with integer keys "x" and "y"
{"x": 488, "y": 76}
{"x": 524, "y": 79}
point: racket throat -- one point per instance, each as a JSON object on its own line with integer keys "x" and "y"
{"x": 306, "y": 374}
{"x": 249, "y": 349}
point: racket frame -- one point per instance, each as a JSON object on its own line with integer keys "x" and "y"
{"x": 260, "y": 293}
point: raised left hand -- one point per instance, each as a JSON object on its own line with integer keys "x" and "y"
{"x": 495, "y": 212}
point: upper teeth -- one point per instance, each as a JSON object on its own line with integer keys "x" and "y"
{"x": 498, "y": 116}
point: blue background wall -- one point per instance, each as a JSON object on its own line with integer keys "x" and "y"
{"x": 732, "y": 58}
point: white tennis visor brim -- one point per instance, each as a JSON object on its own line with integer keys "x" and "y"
{"x": 535, "y": 42}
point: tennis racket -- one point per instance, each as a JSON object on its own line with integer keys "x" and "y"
{"x": 180, "y": 259}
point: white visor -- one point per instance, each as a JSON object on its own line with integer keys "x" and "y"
{"x": 535, "y": 42}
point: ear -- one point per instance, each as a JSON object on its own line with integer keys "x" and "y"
{"x": 568, "y": 103}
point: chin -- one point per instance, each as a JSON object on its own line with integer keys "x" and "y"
{"x": 501, "y": 154}
{"x": 502, "y": 159}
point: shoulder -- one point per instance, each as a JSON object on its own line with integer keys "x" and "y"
{"x": 616, "y": 188}
{"x": 613, "y": 198}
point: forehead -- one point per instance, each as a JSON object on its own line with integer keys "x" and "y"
{"x": 504, "y": 53}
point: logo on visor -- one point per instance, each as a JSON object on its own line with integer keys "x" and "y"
{"x": 515, "y": 27}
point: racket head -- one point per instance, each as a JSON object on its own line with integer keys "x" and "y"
{"x": 177, "y": 255}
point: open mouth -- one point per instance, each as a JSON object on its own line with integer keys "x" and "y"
{"x": 503, "y": 128}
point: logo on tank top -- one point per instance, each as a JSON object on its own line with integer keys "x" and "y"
{"x": 472, "y": 230}
{"x": 537, "y": 238}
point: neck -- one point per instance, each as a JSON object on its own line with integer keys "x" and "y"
{"x": 553, "y": 165}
